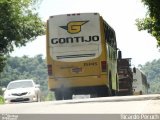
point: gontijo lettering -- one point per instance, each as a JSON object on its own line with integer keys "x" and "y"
{"x": 78, "y": 39}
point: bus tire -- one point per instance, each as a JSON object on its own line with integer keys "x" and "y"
{"x": 110, "y": 84}
{"x": 67, "y": 94}
{"x": 114, "y": 93}
{"x": 103, "y": 92}
{"x": 58, "y": 94}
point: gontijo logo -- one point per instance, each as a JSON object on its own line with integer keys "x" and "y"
{"x": 74, "y": 27}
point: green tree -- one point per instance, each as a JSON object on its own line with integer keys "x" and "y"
{"x": 152, "y": 21}
{"x": 19, "y": 24}
{"x": 2, "y": 62}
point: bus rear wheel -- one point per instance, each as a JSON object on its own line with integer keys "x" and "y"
{"x": 58, "y": 94}
{"x": 63, "y": 94}
{"x": 67, "y": 94}
{"x": 103, "y": 92}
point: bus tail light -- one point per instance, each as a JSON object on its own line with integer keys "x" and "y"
{"x": 49, "y": 70}
{"x": 103, "y": 66}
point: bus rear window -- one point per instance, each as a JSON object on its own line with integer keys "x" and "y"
{"x": 75, "y": 53}
{"x": 76, "y": 56}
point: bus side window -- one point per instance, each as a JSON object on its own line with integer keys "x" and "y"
{"x": 106, "y": 33}
{"x": 112, "y": 39}
{"x": 109, "y": 35}
{"x": 115, "y": 54}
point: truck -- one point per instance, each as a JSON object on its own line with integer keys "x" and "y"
{"x": 125, "y": 76}
{"x": 132, "y": 81}
{"x": 81, "y": 56}
{"x": 140, "y": 83}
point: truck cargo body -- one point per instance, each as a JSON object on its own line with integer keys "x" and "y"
{"x": 125, "y": 76}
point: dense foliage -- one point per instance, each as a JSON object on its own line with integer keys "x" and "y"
{"x": 152, "y": 21}
{"x": 19, "y": 23}
{"x": 26, "y": 68}
{"x": 152, "y": 71}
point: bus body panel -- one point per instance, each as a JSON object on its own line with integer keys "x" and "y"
{"x": 77, "y": 82}
{"x": 85, "y": 68}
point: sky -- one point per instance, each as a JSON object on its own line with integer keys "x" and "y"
{"x": 120, "y": 14}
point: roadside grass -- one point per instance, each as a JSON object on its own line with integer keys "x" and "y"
{"x": 1, "y": 100}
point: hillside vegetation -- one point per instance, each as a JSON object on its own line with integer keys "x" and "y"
{"x": 35, "y": 68}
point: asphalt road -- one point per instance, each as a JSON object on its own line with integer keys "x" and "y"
{"x": 142, "y": 104}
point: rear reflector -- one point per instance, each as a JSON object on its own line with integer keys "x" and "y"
{"x": 103, "y": 66}
{"x": 49, "y": 70}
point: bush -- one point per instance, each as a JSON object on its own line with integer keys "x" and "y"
{"x": 1, "y": 100}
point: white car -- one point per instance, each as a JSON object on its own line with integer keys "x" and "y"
{"x": 22, "y": 91}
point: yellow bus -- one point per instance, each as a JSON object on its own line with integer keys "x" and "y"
{"x": 81, "y": 56}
